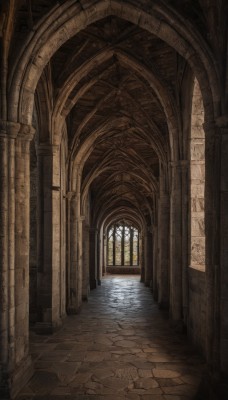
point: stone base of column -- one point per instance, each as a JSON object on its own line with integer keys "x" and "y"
{"x": 93, "y": 284}
{"x": 147, "y": 283}
{"x": 47, "y": 328}
{"x": 12, "y": 383}
{"x": 99, "y": 282}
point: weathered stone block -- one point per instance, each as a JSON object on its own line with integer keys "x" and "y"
{"x": 197, "y": 171}
{"x": 197, "y": 204}
{"x": 198, "y": 227}
{"x": 198, "y": 250}
{"x": 197, "y": 151}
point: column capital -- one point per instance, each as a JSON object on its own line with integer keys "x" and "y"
{"x": 26, "y": 132}
{"x": 9, "y": 129}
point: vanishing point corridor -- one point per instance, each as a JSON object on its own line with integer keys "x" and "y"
{"x": 119, "y": 347}
{"x": 113, "y": 163}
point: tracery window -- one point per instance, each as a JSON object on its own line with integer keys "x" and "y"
{"x": 123, "y": 245}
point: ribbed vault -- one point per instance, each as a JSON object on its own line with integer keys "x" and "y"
{"x": 114, "y": 85}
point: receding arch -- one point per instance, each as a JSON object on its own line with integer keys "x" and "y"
{"x": 120, "y": 212}
{"x": 85, "y": 149}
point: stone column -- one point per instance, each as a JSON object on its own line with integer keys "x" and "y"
{"x": 212, "y": 173}
{"x": 49, "y": 243}
{"x": 155, "y": 262}
{"x": 4, "y": 269}
{"x": 142, "y": 255}
{"x": 85, "y": 269}
{"x": 63, "y": 225}
{"x": 176, "y": 244}
{"x": 179, "y": 242}
{"x": 76, "y": 256}
{"x": 22, "y": 193}
{"x": 163, "y": 246}
{"x": 148, "y": 257}
{"x": 221, "y": 283}
{"x": 99, "y": 259}
{"x": 15, "y": 362}
{"x": 104, "y": 255}
{"x": 22, "y": 216}
{"x": 185, "y": 239}
{"x": 93, "y": 258}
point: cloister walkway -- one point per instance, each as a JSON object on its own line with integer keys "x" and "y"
{"x": 119, "y": 347}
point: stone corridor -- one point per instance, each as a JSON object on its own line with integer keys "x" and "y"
{"x": 119, "y": 347}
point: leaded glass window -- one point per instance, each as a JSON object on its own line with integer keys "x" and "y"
{"x": 123, "y": 245}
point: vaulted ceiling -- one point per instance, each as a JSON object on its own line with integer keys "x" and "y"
{"x": 109, "y": 83}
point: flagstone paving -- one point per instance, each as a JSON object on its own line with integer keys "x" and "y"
{"x": 120, "y": 347}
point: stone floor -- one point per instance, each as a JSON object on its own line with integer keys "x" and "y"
{"x": 119, "y": 348}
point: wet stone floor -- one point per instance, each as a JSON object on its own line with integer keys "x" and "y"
{"x": 120, "y": 347}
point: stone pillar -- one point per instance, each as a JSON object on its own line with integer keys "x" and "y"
{"x": 15, "y": 362}
{"x": 99, "y": 259}
{"x": 63, "y": 225}
{"x": 93, "y": 258}
{"x": 222, "y": 281}
{"x": 216, "y": 232}
{"x": 148, "y": 258}
{"x": 142, "y": 255}
{"x": 85, "y": 269}
{"x": 104, "y": 255}
{"x": 49, "y": 243}
{"x": 22, "y": 199}
{"x": 163, "y": 246}
{"x": 76, "y": 256}
{"x": 101, "y": 253}
{"x": 185, "y": 239}
{"x": 176, "y": 244}
{"x": 155, "y": 262}
{"x": 212, "y": 173}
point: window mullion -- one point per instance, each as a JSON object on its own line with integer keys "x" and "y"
{"x": 131, "y": 246}
{"x": 122, "y": 246}
{"x": 114, "y": 245}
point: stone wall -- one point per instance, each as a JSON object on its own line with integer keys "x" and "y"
{"x": 197, "y": 172}
{"x": 197, "y": 308}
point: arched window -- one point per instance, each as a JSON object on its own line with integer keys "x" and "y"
{"x": 123, "y": 245}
